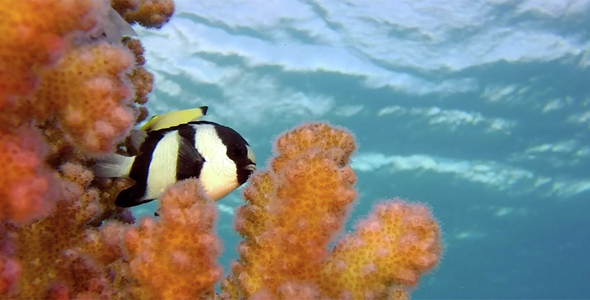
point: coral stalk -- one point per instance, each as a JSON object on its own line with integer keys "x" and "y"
{"x": 298, "y": 207}
{"x": 66, "y": 96}
{"x": 175, "y": 258}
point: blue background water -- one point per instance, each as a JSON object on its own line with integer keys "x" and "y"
{"x": 481, "y": 109}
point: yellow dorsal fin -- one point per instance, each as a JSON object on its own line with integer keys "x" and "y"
{"x": 174, "y": 118}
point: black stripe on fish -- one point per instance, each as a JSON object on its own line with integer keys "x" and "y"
{"x": 190, "y": 161}
{"x": 140, "y": 171}
{"x": 236, "y": 148}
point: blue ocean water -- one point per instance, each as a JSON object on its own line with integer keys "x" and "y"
{"x": 480, "y": 109}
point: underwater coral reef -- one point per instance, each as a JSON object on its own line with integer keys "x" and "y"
{"x": 72, "y": 87}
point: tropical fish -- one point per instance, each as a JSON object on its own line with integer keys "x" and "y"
{"x": 215, "y": 154}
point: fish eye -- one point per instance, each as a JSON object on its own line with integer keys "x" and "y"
{"x": 237, "y": 151}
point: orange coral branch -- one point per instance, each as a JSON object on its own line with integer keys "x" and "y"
{"x": 25, "y": 192}
{"x": 295, "y": 210}
{"x": 93, "y": 107}
{"x": 175, "y": 258}
{"x": 65, "y": 97}
{"x": 34, "y": 34}
{"x": 148, "y": 13}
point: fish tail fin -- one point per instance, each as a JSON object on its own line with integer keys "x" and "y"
{"x": 113, "y": 165}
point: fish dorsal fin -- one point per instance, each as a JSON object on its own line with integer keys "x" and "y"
{"x": 190, "y": 162}
{"x": 174, "y": 118}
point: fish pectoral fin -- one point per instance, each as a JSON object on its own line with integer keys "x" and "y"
{"x": 132, "y": 196}
{"x": 190, "y": 161}
{"x": 136, "y": 138}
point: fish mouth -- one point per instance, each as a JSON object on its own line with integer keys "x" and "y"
{"x": 250, "y": 167}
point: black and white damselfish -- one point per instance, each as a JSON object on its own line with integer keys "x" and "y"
{"x": 217, "y": 155}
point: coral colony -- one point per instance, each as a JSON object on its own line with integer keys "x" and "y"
{"x": 71, "y": 90}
